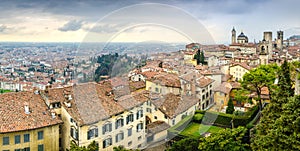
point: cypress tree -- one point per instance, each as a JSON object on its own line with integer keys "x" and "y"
{"x": 230, "y": 107}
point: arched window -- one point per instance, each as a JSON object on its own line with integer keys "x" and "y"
{"x": 119, "y": 122}
{"x": 92, "y": 132}
{"x": 74, "y": 133}
{"x": 139, "y": 113}
{"x": 120, "y": 136}
{"x": 107, "y": 142}
{"x": 139, "y": 127}
{"x": 129, "y": 118}
{"x": 107, "y": 127}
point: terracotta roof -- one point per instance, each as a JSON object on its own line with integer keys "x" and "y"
{"x": 188, "y": 52}
{"x": 204, "y": 81}
{"x": 201, "y": 67}
{"x": 172, "y": 105}
{"x": 149, "y": 74}
{"x": 134, "y": 99}
{"x": 211, "y": 72}
{"x": 244, "y": 65}
{"x": 224, "y": 87}
{"x": 136, "y": 85}
{"x": 92, "y": 102}
{"x": 156, "y": 127}
{"x": 13, "y": 116}
{"x": 226, "y": 77}
{"x": 235, "y": 84}
{"x": 167, "y": 79}
{"x": 190, "y": 75}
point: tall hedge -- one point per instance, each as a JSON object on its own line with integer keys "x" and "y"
{"x": 224, "y": 120}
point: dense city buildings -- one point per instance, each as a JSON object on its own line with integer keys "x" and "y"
{"x": 58, "y": 106}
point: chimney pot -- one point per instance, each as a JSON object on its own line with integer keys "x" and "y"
{"x": 26, "y": 108}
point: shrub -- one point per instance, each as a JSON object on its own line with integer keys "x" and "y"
{"x": 224, "y": 120}
{"x": 198, "y": 118}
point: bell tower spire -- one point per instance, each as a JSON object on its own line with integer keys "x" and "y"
{"x": 233, "y": 36}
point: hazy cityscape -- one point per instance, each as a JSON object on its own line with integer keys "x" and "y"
{"x": 149, "y": 75}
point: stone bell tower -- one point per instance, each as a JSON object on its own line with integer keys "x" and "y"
{"x": 233, "y": 36}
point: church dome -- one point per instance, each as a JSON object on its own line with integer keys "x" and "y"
{"x": 242, "y": 35}
{"x": 242, "y": 38}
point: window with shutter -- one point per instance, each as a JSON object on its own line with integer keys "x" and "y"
{"x": 129, "y": 132}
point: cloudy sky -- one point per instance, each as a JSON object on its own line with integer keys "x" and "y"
{"x": 204, "y": 21}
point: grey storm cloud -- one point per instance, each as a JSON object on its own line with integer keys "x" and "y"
{"x": 72, "y": 25}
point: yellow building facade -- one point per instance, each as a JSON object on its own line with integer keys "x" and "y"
{"x": 41, "y": 139}
{"x": 237, "y": 70}
{"x": 27, "y": 124}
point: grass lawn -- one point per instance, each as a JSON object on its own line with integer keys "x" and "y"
{"x": 196, "y": 129}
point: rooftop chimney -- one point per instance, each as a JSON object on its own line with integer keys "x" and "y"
{"x": 53, "y": 114}
{"x": 26, "y": 108}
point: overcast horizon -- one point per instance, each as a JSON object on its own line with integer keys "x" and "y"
{"x": 140, "y": 21}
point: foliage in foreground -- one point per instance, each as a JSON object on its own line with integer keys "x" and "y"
{"x": 91, "y": 147}
{"x": 279, "y": 128}
{"x": 227, "y": 139}
{"x": 186, "y": 144}
{"x": 256, "y": 79}
{"x": 121, "y": 148}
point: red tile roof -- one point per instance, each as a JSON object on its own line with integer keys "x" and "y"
{"x": 204, "y": 81}
{"x": 13, "y": 117}
{"x": 173, "y": 105}
{"x": 92, "y": 102}
{"x": 167, "y": 79}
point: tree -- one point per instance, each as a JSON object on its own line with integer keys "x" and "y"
{"x": 256, "y": 79}
{"x": 197, "y": 57}
{"x": 227, "y": 139}
{"x": 121, "y": 148}
{"x": 279, "y": 127}
{"x": 284, "y": 80}
{"x": 186, "y": 144}
{"x": 282, "y": 133}
{"x": 230, "y": 107}
{"x": 91, "y": 147}
{"x": 241, "y": 95}
{"x": 202, "y": 58}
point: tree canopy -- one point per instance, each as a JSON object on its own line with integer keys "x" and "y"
{"x": 282, "y": 133}
{"x": 227, "y": 139}
{"x": 279, "y": 127}
{"x": 256, "y": 79}
{"x": 121, "y": 148}
{"x": 91, "y": 147}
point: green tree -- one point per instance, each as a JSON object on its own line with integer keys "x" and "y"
{"x": 202, "y": 58}
{"x": 256, "y": 79}
{"x": 197, "y": 57}
{"x": 282, "y": 133}
{"x": 230, "y": 107}
{"x": 279, "y": 127}
{"x": 186, "y": 144}
{"x": 227, "y": 139}
{"x": 241, "y": 95}
{"x": 91, "y": 147}
{"x": 284, "y": 80}
{"x": 121, "y": 148}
